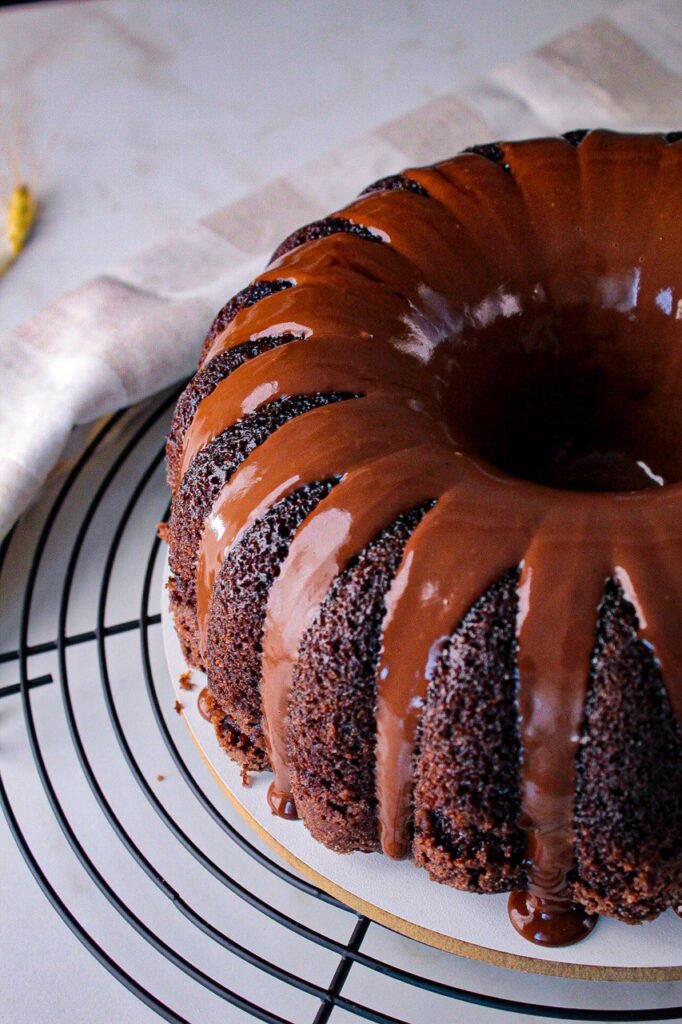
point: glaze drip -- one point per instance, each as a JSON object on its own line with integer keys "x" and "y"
{"x": 204, "y": 703}
{"x": 516, "y": 347}
{"x": 282, "y": 804}
{"x": 549, "y": 922}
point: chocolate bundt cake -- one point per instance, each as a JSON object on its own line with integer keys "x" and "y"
{"x": 426, "y": 528}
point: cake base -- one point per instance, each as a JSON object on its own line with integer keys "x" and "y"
{"x": 400, "y": 896}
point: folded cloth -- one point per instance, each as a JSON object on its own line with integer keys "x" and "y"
{"x": 134, "y": 331}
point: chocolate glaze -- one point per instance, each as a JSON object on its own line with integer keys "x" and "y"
{"x": 248, "y": 296}
{"x": 514, "y": 331}
{"x": 549, "y": 922}
{"x": 204, "y": 703}
{"x": 282, "y": 804}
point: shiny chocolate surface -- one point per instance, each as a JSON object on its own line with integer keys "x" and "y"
{"x": 516, "y": 340}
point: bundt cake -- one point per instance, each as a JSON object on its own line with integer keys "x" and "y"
{"x": 426, "y": 526}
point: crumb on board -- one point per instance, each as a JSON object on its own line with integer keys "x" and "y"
{"x": 246, "y": 777}
{"x": 185, "y": 681}
{"x": 162, "y": 531}
{"x": 160, "y": 778}
{"x": 179, "y": 706}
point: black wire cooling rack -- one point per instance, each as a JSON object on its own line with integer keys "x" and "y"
{"x": 235, "y": 926}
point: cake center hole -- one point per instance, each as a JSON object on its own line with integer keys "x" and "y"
{"x": 579, "y": 401}
{"x": 566, "y": 431}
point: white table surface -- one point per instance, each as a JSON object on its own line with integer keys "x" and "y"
{"x": 140, "y": 116}
{"x": 136, "y": 118}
